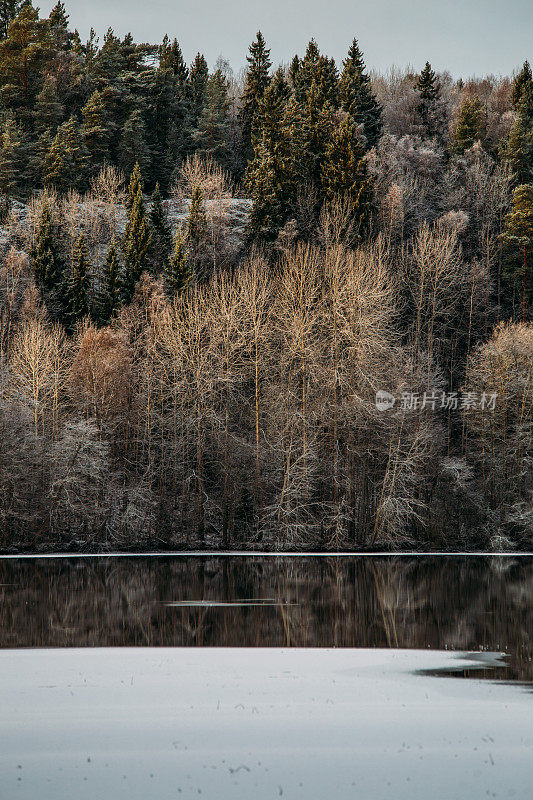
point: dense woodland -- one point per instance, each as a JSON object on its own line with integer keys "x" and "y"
{"x": 171, "y": 379}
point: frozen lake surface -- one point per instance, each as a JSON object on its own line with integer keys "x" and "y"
{"x": 227, "y": 724}
{"x": 227, "y": 677}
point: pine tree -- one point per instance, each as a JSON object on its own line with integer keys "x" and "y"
{"x": 429, "y": 89}
{"x": 518, "y": 238}
{"x": 23, "y": 55}
{"x": 58, "y": 16}
{"x": 212, "y": 134}
{"x": 10, "y": 141}
{"x": 66, "y": 163}
{"x": 518, "y": 147}
{"x": 256, "y": 83}
{"x": 48, "y": 110}
{"x": 161, "y": 234}
{"x": 471, "y": 124}
{"x": 47, "y": 263}
{"x": 345, "y": 173}
{"x": 59, "y": 27}
{"x": 8, "y": 11}
{"x": 109, "y": 289}
{"x": 523, "y": 80}
{"x": 357, "y": 97}
{"x": 134, "y": 147}
{"x": 177, "y": 271}
{"x": 77, "y": 285}
{"x": 95, "y": 131}
{"x": 136, "y": 239}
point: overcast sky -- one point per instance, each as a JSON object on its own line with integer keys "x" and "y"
{"x": 468, "y": 37}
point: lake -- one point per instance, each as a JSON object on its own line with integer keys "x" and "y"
{"x": 266, "y": 676}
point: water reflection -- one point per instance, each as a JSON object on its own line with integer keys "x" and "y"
{"x": 462, "y": 603}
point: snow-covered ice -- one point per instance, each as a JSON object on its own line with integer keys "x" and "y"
{"x": 232, "y": 724}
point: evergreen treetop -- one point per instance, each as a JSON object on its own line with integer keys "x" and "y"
{"x": 256, "y": 83}
{"x": 136, "y": 239}
{"x": 427, "y": 85}
{"x": 518, "y": 238}
{"x": 109, "y": 288}
{"x": 66, "y": 164}
{"x": 160, "y": 231}
{"x": 78, "y": 284}
{"x": 357, "y": 97}
{"x": 345, "y": 173}
{"x": 523, "y": 80}
{"x": 471, "y": 124}
{"x": 47, "y": 262}
{"x": 177, "y": 271}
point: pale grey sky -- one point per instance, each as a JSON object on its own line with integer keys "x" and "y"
{"x": 467, "y": 37}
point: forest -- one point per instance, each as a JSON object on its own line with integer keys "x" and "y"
{"x": 286, "y": 308}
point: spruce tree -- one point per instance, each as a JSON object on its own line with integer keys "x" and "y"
{"x": 67, "y": 162}
{"x": 133, "y": 187}
{"x": 136, "y": 239}
{"x": 109, "y": 288}
{"x": 282, "y": 158}
{"x": 197, "y": 223}
{"x": 429, "y": 90}
{"x": 471, "y": 125}
{"x": 134, "y": 148}
{"x": 518, "y": 239}
{"x": 318, "y": 69}
{"x": 46, "y": 260}
{"x": 523, "y": 80}
{"x": 357, "y": 97}
{"x": 268, "y": 120}
{"x": 10, "y": 142}
{"x": 196, "y": 88}
{"x": 345, "y": 174}
{"x": 160, "y": 232}
{"x": 77, "y": 285}
{"x": 95, "y": 130}
{"x": 294, "y": 68}
{"x": 267, "y": 215}
{"x": 318, "y": 119}
{"x": 177, "y": 272}
{"x": 256, "y": 83}
{"x": 305, "y": 70}
{"x": 171, "y": 57}
{"x": 517, "y": 149}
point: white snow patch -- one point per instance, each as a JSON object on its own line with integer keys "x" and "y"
{"x": 237, "y": 724}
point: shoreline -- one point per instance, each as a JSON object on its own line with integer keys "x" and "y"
{"x": 271, "y": 554}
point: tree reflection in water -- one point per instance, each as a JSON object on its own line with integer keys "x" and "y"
{"x": 462, "y": 603}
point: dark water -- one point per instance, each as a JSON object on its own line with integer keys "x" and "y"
{"x": 458, "y": 603}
